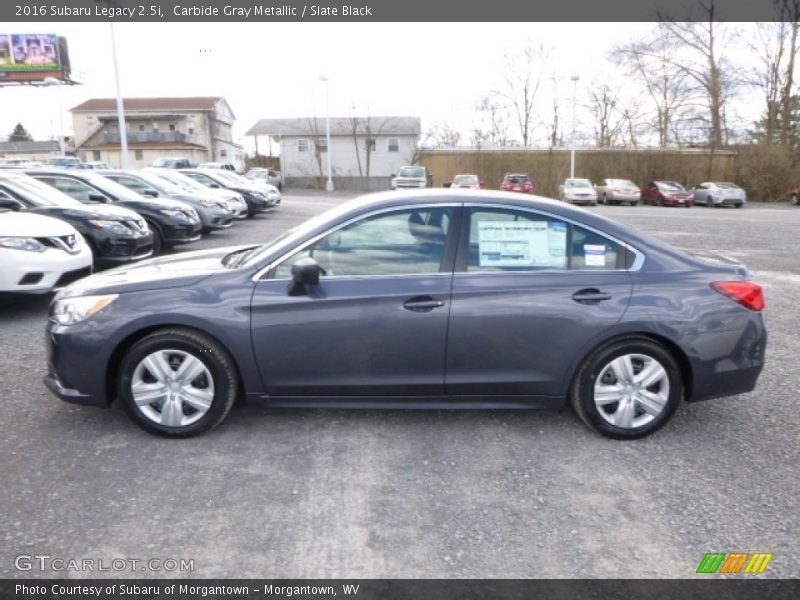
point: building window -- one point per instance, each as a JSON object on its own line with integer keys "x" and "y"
{"x": 322, "y": 145}
{"x": 155, "y": 125}
{"x": 191, "y": 130}
{"x": 370, "y": 144}
{"x": 138, "y": 154}
{"x": 223, "y": 153}
{"x": 302, "y": 145}
{"x": 394, "y": 145}
{"x": 96, "y": 155}
{"x": 141, "y": 127}
{"x": 172, "y": 126}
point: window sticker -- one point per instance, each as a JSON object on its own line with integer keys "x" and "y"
{"x": 594, "y": 255}
{"x": 522, "y": 244}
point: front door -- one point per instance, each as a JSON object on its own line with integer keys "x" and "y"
{"x": 376, "y": 324}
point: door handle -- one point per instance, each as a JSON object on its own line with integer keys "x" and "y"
{"x": 590, "y": 296}
{"x": 422, "y": 303}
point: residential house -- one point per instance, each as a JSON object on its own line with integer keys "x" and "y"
{"x": 197, "y": 128}
{"x": 365, "y": 151}
{"x": 29, "y": 150}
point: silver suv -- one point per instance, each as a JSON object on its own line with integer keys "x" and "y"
{"x": 410, "y": 178}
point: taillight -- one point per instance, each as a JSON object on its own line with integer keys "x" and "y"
{"x": 748, "y": 294}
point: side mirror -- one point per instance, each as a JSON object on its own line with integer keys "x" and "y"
{"x": 213, "y": 185}
{"x": 151, "y": 193}
{"x": 305, "y": 272}
{"x": 98, "y": 198}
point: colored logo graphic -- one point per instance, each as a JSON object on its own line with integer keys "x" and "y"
{"x": 734, "y": 562}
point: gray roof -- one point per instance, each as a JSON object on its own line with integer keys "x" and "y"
{"x": 28, "y": 146}
{"x": 314, "y": 126}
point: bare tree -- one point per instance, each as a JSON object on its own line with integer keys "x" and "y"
{"x": 523, "y": 74}
{"x": 603, "y": 105}
{"x": 495, "y": 130}
{"x": 703, "y": 63}
{"x": 365, "y": 129}
{"x": 316, "y": 139}
{"x": 444, "y": 134}
{"x": 651, "y": 61}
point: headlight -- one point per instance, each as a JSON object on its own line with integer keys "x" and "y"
{"x": 207, "y": 202}
{"x": 259, "y": 195}
{"x": 112, "y": 226}
{"x": 74, "y": 310}
{"x": 171, "y": 212}
{"x": 20, "y": 243}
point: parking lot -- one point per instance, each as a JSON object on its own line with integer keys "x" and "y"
{"x": 413, "y": 494}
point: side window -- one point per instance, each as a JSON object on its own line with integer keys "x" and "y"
{"x": 403, "y": 242}
{"x": 75, "y": 189}
{"x": 508, "y": 240}
{"x": 592, "y": 251}
{"x": 200, "y": 178}
{"x": 132, "y": 184}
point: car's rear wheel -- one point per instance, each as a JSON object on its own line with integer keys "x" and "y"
{"x": 177, "y": 383}
{"x": 795, "y": 200}
{"x": 627, "y": 389}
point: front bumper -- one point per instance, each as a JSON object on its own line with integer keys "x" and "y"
{"x": 39, "y": 272}
{"x": 581, "y": 199}
{"x": 215, "y": 218}
{"x": 182, "y": 233}
{"x": 115, "y": 250}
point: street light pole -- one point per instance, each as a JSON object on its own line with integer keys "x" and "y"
{"x": 123, "y": 133}
{"x": 329, "y": 183}
{"x": 54, "y": 81}
{"x": 574, "y": 80}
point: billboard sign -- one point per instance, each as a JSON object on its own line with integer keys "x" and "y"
{"x": 29, "y": 52}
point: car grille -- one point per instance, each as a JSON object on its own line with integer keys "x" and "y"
{"x": 68, "y": 243}
{"x": 137, "y": 225}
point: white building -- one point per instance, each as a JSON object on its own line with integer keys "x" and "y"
{"x": 365, "y": 151}
{"x": 197, "y": 128}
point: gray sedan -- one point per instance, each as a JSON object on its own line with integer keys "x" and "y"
{"x": 431, "y": 298}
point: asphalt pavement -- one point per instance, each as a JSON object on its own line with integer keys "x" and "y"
{"x": 414, "y": 494}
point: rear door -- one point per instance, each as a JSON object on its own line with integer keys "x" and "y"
{"x": 530, "y": 292}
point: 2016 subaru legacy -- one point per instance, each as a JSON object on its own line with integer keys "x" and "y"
{"x": 434, "y": 298}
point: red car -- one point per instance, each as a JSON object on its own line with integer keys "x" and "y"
{"x": 666, "y": 193}
{"x": 517, "y": 182}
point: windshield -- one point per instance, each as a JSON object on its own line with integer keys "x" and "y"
{"x": 161, "y": 184}
{"x": 38, "y": 193}
{"x": 412, "y": 172}
{"x": 579, "y": 183}
{"x": 465, "y": 180}
{"x": 725, "y": 185}
{"x": 187, "y": 184}
{"x": 517, "y": 179}
{"x": 622, "y": 182}
{"x": 673, "y": 186}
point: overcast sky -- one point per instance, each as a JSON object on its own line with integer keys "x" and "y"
{"x": 434, "y": 71}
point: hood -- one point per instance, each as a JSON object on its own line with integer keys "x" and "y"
{"x": 21, "y": 224}
{"x": 156, "y": 203}
{"x": 83, "y": 212}
{"x": 157, "y": 273}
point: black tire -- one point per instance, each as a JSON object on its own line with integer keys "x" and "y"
{"x": 158, "y": 238}
{"x": 634, "y": 203}
{"x": 213, "y": 356}
{"x": 582, "y": 389}
{"x": 605, "y": 200}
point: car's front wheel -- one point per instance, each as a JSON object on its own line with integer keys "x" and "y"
{"x": 177, "y": 382}
{"x": 627, "y": 389}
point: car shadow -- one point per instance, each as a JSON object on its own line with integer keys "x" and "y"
{"x": 17, "y": 306}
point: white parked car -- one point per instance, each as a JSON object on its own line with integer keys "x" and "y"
{"x": 720, "y": 193}
{"x": 38, "y": 253}
{"x": 577, "y": 191}
{"x": 617, "y": 191}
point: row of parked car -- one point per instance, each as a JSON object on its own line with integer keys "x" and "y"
{"x": 622, "y": 191}
{"x": 57, "y": 224}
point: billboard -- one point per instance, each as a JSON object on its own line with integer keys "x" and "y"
{"x": 29, "y": 52}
